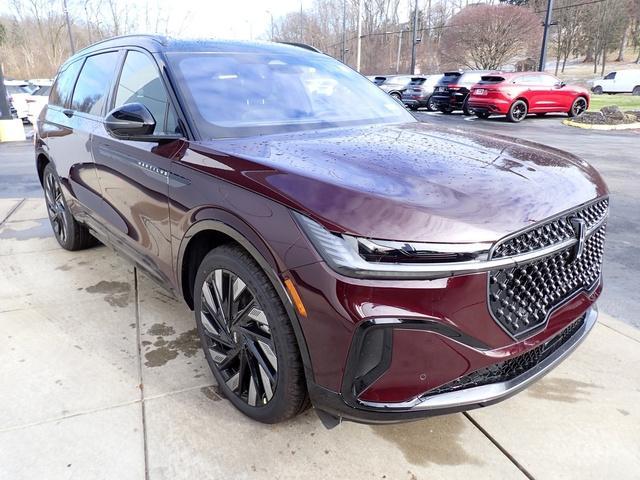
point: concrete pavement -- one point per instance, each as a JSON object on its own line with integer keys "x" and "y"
{"x": 103, "y": 377}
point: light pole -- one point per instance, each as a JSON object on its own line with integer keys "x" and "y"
{"x": 359, "y": 44}
{"x": 545, "y": 35}
{"x": 66, "y": 16}
{"x": 415, "y": 37}
{"x": 344, "y": 29}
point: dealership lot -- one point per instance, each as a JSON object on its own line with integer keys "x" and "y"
{"x": 104, "y": 378}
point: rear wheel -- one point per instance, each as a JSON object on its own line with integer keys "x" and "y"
{"x": 431, "y": 105}
{"x": 598, "y": 90}
{"x": 579, "y": 105}
{"x": 396, "y": 96}
{"x": 70, "y": 234}
{"x": 483, "y": 115}
{"x": 636, "y": 90}
{"x": 466, "y": 109}
{"x": 247, "y": 338}
{"x": 517, "y": 111}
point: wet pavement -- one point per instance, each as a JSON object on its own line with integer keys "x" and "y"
{"x": 103, "y": 377}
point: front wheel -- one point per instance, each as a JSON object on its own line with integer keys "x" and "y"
{"x": 517, "y": 111}
{"x": 636, "y": 90}
{"x": 579, "y": 105}
{"x": 396, "y": 96}
{"x": 598, "y": 90}
{"x": 247, "y": 337}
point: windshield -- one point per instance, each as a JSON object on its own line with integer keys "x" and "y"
{"x": 240, "y": 94}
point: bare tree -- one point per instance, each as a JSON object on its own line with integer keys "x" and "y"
{"x": 488, "y": 36}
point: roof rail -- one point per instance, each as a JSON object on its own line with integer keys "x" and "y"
{"x": 158, "y": 38}
{"x": 301, "y": 45}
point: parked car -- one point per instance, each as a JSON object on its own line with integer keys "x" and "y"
{"x": 418, "y": 93}
{"x": 518, "y": 94}
{"x": 395, "y": 85}
{"x": 378, "y": 79}
{"x": 452, "y": 90}
{"x": 18, "y": 91}
{"x": 621, "y": 81}
{"x": 332, "y": 247}
{"x": 36, "y": 102}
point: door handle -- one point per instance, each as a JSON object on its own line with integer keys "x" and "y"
{"x": 68, "y": 113}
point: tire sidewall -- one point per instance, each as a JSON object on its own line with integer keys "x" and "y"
{"x": 223, "y": 258}
{"x": 68, "y": 217}
{"x": 510, "y": 114}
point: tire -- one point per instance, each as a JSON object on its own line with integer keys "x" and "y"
{"x": 254, "y": 357}
{"x": 578, "y": 106}
{"x": 396, "y": 96}
{"x": 636, "y": 90}
{"x": 70, "y": 234}
{"x": 483, "y": 115}
{"x": 598, "y": 90}
{"x": 518, "y": 111}
{"x": 413, "y": 108}
{"x": 466, "y": 109}
{"x": 431, "y": 106}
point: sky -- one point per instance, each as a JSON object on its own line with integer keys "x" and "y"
{"x": 233, "y": 19}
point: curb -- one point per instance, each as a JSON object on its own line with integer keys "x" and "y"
{"x": 589, "y": 126}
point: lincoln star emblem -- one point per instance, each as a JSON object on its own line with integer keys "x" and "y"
{"x": 580, "y": 227}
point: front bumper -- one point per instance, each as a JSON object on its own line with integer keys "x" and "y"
{"x": 345, "y": 405}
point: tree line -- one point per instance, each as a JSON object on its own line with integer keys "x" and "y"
{"x": 451, "y": 34}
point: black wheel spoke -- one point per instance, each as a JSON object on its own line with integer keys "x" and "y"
{"x": 238, "y": 337}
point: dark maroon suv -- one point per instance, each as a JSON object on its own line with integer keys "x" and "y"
{"x": 332, "y": 248}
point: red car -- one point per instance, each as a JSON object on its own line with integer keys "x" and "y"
{"x": 518, "y": 94}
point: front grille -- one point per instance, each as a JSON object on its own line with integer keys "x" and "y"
{"x": 521, "y": 298}
{"x": 510, "y": 369}
{"x": 551, "y": 232}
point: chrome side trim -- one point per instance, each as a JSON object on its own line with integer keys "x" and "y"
{"x": 494, "y": 392}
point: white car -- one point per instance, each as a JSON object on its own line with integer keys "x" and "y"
{"x": 36, "y": 102}
{"x": 621, "y": 81}
{"x": 18, "y": 92}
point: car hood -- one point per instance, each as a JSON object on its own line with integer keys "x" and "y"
{"x": 410, "y": 182}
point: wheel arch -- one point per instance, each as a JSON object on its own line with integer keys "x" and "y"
{"x": 207, "y": 234}
{"x": 42, "y": 160}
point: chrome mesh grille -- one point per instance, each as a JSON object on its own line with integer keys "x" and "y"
{"x": 551, "y": 232}
{"x": 521, "y": 298}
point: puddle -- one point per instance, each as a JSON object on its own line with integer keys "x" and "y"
{"x": 210, "y": 393}
{"x": 116, "y": 293}
{"x": 562, "y": 390}
{"x": 436, "y": 440}
{"x": 161, "y": 330}
{"x": 187, "y": 344}
{"x": 26, "y": 230}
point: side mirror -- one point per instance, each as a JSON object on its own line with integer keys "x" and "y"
{"x": 561, "y": 85}
{"x": 134, "y": 121}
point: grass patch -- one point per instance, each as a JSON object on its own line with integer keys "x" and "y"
{"x": 625, "y": 102}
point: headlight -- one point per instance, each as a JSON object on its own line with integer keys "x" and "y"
{"x": 367, "y": 258}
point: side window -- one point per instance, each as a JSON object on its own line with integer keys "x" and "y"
{"x": 61, "y": 91}
{"x": 93, "y": 83}
{"x": 548, "y": 80}
{"x": 140, "y": 82}
{"x": 610, "y": 76}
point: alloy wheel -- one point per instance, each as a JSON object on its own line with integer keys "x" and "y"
{"x": 55, "y": 206}
{"x": 238, "y": 337}
{"x": 579, "y": 106}
{"x": 519, "y": 111}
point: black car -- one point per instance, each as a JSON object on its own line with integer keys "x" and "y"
{"x": 396, "y": 85}
{"x": 419, "y": 92}
{"x": 452, "y": 91}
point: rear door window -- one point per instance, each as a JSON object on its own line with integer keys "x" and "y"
{"x": 140, "y": 82}
{"x": 61, "y": 92}
{"x": 93, "y": 84}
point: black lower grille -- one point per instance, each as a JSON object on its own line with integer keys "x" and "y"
{"x": 510, "y": 369}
